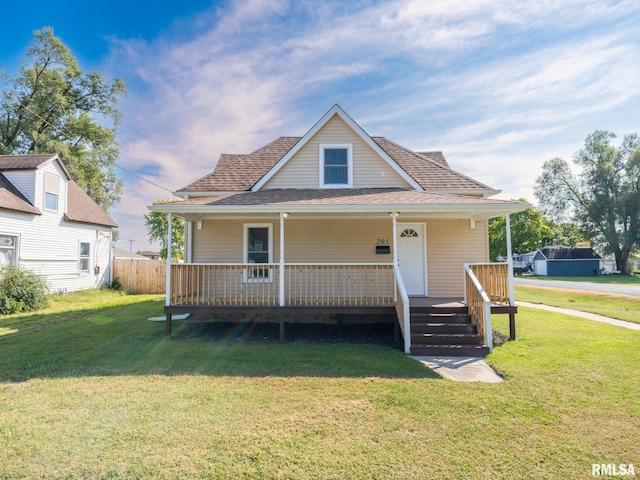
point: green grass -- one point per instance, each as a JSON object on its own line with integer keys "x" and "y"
{"x": 606, "y": 279}
{"x": 98, "y": 392}
{"x": 622, "y": 307}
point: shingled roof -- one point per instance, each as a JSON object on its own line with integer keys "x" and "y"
{"x": 558, "y": 252}
{"x": 241, "y": 172}
{"x": 12, "y": 199}
{"x": 82, "y": 209}
{"x": 29, "y": 162}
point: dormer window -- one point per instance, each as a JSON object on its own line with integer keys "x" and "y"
{"x": 51, "y": 191}
{"x": 336, "y": 165}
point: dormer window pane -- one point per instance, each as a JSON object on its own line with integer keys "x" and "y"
{"x": 336, "y": 167}
{"x": 51, "y": 191}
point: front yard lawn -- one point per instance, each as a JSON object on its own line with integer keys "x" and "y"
{"x": 622, "y": 307}
{"x": 94, "y": 390}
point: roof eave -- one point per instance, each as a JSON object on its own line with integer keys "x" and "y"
{"x": 475, "y": 211}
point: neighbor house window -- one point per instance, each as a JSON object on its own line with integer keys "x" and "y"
{"x": 85, "y": 257}
{"x": 8, "y": 250}
{"x": 336, "y": 170}
{"x": 51, "y": 191}
{"x": 258, "y": 240}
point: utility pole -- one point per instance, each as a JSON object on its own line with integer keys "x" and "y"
{"x": 131, "y": 245}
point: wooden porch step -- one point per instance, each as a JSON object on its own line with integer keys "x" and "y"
{"x": 438, "y": 309}
{"x": 440, "y": 317}
{"x": 443, "y": 327}
{"x": 445, "y": 339}
{"x": 444, "y": 350}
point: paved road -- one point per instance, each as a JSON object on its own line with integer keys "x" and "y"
{"x": 632, "y": 290}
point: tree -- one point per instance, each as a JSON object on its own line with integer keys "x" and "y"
{"x": 158, "y": 227}
{"x": 565, "y": 233}
{"x": 529, "y": 231}
{"x": 51, "y": 106}
{"x": 603, "y": 197}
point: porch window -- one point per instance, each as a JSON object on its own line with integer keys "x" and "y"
{"x": 336, "y": 170}
{"x": 51, "y": 191}
{"x": 8, "y": 250}
{"x": 258, "y": 241}
{"x": 85, "y": 257}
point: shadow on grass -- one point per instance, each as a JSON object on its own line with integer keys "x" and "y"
{"x": 118, "y": 340}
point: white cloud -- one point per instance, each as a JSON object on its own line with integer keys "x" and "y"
{"x": 495, "y": 84}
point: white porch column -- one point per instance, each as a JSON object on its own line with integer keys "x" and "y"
{"x": 167, "y": 301}
{"x": 281, "y": 288}
{"x": 512, "y": 295}
{"x": 394, "y": 217}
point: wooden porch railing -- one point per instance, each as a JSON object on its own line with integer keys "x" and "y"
{"x": 338, "y": 284}
{"x": 478, "y": 305}
{"x": 237, "y": 284}
{"x": 253, "y": 284}
{"x": 494, "y": 278}
{"x": 402, "y": 309}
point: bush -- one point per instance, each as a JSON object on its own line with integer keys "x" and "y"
{"x": 21, "y": 290}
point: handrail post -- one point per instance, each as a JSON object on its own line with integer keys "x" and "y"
{"x": 281, "y": 276}
{"x": 512, "y": 294}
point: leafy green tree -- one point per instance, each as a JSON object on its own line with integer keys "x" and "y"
{"x": 602, "y": 198}
{"x": 51, "y": 106}
{"x": 565, "y": 233}
{"x": 158, "y": 227}
{"x": 530, "y": 230}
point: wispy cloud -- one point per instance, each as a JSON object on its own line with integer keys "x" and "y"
{"x": 492, "y": 83}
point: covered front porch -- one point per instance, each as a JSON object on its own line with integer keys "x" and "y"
{"x": 363, "y": 260}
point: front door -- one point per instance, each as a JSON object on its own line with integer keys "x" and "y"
{"x": 412, "y": 257}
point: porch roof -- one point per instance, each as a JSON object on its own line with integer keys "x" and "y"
{"x": 342, "y": 201}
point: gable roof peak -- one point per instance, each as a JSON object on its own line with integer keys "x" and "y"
{"x": 336, "y": 110}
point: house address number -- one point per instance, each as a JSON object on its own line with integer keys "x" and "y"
{"x": 382, "y": 241}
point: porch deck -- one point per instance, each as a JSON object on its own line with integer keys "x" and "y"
{"x": 302, "y": 293}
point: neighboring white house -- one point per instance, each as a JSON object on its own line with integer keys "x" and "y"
{"x": 49, "y": 225}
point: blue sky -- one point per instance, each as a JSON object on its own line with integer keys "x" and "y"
{"x": 499, "y": 86}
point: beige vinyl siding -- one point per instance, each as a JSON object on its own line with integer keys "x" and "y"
{"x": 221, "y": 241}
{"x": 340, "y": 241}
{"x": 369, "y": 169}
{"x": 306, "y": 240}
{"x": 451, "y": 244}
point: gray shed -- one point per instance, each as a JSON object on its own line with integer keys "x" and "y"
{"x": 566, "y": 261}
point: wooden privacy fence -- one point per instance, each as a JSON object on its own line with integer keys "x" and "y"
{"x": 140, "y": 276}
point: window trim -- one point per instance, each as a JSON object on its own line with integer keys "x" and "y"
{"x": 245, "y": 251}
{"x": 81, "y": 257}
{"x": 16, "y": 246}
{"x": 329, "y": 146}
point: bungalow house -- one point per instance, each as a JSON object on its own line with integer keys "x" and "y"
{"x": 557, "y": 260}
{"x": 337, "y": 224}
{"x": 49, "y": 225}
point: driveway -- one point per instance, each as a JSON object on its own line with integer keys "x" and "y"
{"x": 632, "y": 290}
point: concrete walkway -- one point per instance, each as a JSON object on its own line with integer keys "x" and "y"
{"x": 461, "y": 369}
{"x": 588, "y": 316}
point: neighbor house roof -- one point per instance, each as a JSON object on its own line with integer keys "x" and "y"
{"x": 82, "y": 209}
{"x": 12, "y": 199}
{"x": 558, "y": 252}
{"x": 29, "y": 162}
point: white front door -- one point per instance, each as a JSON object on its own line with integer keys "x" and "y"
{"x": 412, "y": 257}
